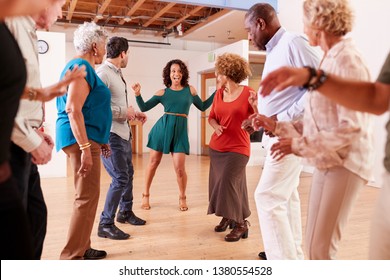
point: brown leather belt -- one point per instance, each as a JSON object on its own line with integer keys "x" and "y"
{"x": 5, "y": 172}
{"x": 176, "y": 114}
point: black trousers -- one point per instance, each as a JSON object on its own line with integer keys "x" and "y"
{"x": 15, "y": 235}
{"x": 29, "y": 183}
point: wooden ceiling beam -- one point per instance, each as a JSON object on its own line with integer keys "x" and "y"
{"x": 193, "y": 12}
{"x": 72, "y": 7}
{"x": 133, "y": 9}
{"x": 102, "y": 9}
{"x": 156, "y": 16}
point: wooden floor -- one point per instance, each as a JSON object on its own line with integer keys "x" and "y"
{"x": 171, "y": 234}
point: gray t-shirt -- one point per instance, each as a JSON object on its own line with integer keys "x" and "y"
{"x": 384, "y": 77}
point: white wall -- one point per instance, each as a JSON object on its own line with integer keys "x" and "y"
{"x": 51, "y": 65}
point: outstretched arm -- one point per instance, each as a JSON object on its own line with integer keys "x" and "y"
{"x": 201, "y": 105}
{"x": 58, "y": 89}
{"x": 356, "y": 95}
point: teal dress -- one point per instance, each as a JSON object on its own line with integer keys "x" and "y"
{"x": 170, "y": 133}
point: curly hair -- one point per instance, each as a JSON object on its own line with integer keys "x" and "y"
{"x": 167, "y": 71}
{"x": 332, "y": 16}
{"x": 86, "y": 35}
{"x": 233, "y": 66}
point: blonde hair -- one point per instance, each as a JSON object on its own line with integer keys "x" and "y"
{"x": 86, "y": 35}
{"x": 332, "y": 16}
{"x": 233, "y": 66}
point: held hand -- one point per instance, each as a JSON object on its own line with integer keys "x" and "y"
{"x": 282, "y": 78}
{"x": 219, "y": 129}
{"x": 42, "y": 154}
{"x": 58, "y": 89}
{"x": 86, "y": 163}
{"x": 47, "y": 138}
{"x": 141, "y": 117}
{"x": 247, "y": 125}
{"x": 253, "y": 100}
{"x": 258, "y": 121}
{"x": 282, "y": 148}
{"x": 137, "y": 89}
{"x": 270, "y": 133}
{"x": 105, "y": 150}
{"x": 130, "y": 114}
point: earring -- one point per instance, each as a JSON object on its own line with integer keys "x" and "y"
{"x": 95, "y": 54}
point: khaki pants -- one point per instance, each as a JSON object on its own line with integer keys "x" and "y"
{"x": 332, "y": 195}
{"x": 380, "y": 227}
{"x": 85, "y": 204}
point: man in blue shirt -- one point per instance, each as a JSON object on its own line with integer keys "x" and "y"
{"x": 276, "y": 196}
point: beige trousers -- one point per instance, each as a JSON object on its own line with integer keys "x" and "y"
{"x": 380, "y": 227}
{"x": 332, "y": 195}
{"x": 84, "y": 207}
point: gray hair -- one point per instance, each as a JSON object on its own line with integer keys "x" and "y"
{"x": 86, "y": 35}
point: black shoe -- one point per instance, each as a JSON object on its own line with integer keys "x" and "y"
{"x": 129, "y": 217}
{"x": 262, "y": 256}
{"x": 112, "y": 232}
{"x": 92, "y": 254}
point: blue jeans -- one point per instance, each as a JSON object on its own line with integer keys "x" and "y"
{"x": 120, "y": 167}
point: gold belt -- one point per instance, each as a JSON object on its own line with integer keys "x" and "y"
{"x": 176, "y": 114}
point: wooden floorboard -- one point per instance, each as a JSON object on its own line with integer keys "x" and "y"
{"x": 171, "y": 234}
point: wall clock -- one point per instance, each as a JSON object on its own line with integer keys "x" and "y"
{"x": 43, "y": 47}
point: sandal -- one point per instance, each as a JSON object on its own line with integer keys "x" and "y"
{"x": 145, "y": 202}
{"x": 183, "y": 203}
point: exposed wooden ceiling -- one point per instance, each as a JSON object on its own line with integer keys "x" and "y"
{"x": 156, "y": 17}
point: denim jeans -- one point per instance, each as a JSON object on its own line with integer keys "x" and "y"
{"x": 120, "y": 167}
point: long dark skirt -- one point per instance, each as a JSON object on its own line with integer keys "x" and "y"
{"x": 228, "y": 194}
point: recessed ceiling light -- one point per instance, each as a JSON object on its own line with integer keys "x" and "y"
{"x": 127, "y": 18}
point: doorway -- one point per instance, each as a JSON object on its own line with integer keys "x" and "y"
{"x": 209, "y": 85}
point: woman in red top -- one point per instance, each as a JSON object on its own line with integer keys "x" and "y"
{"x": 230, "y": 147}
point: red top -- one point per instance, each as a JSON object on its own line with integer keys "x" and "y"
{"x": 231, "y": 115}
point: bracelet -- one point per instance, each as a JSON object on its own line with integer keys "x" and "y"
{"x": 32, "y": 94}
{"x": 321, "y": 78}
{"x": 313, "y": 75}
{"x": 85, "y": 146}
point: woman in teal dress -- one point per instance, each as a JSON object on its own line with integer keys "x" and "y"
{"x": 170, "y": 134}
